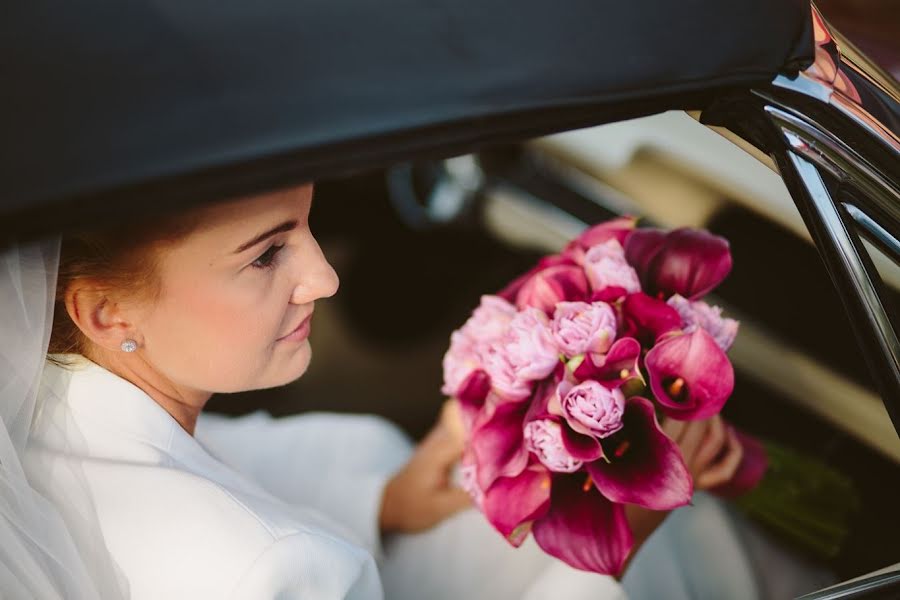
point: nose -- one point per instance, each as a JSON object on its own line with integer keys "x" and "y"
{"x": 316, "y": 278}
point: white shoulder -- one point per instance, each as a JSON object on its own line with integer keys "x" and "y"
{"x": 201, "y": 540}
{"x": 308, "y": 565}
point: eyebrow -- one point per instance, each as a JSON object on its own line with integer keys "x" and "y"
{"x": 286, "y": 226}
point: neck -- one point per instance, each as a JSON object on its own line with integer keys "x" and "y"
{"x": 182, "y": 403}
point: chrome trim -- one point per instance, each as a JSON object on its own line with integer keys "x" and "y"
{"x": 877, "y": 234}
{"x": 830, "y": 153}
{"x": 841, "y": 250}
{"x": 876, "y": 585}
{"x": 846, "y": 80}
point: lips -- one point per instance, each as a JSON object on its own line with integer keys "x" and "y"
{"x": 299, "y": 333}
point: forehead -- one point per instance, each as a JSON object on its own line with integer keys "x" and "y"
{"x": 218, "y": 230}
{"x": 251, "y": 212}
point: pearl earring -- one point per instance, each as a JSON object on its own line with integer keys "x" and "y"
{"x": 129, "y": 346}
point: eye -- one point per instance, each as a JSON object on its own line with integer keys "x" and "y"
{"x": 267, "y": 259}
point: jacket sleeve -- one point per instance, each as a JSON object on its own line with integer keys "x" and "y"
{"x": 560, "y": 580}
{"x": 336, "y": 464}
{"x": 302, "y": 566}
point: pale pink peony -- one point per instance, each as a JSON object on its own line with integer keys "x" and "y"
{"x": 592, "y": 409}
{"x": 504, "y": 379}
{"x": 543, "y": 437}
{"x": 489, "y": 322}
{"x": 579, "y": 327}
{"x": 530, "y": 346}
{"x": 605, "y": 266}
{"x": 700, "y": 314}
{"x": 460, "y": 361}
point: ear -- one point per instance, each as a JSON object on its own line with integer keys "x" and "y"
{"x": 99, "y": 317}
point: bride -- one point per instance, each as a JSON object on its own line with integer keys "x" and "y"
{"x": 135, "y": 492}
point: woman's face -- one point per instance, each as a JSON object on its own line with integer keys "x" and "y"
{"x": 237, "y": 296}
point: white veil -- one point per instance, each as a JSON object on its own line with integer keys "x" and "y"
{"x": 47, "y": 550}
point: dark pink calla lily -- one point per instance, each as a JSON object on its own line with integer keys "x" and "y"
{"x": 496, "y": 443}
{"x": 559, "y": 283}
{"x": 513, "y": 503}
{"x": 583, "y": 447}
{"x": 750, "y": 472}
{"x": 615, "y": 367}
{"x": 686, "y": 261}
{"x": 690, "y": 375}
{"x": 583, "y": 528}
{"x": 642, "y": 247}
{"x": 472, "y": 394}
{"x": 647, "y": 319}
{"x": 510, "y": 292}
{"x": 643, "y": 466}
{"x": 609, "y": 294}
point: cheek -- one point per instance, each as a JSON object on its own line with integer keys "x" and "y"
{"x": 214, "y": 340}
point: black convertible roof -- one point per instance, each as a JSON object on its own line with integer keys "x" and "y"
{"x": 114, "y": 107}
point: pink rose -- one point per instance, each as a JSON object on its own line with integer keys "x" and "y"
{"x": 591, "y": 408}
{"x": 700, "y": 314}
{"x": 543, "y": 437}
{"x": 530, "y": 346}
{"x": 606, "y": 267}
{"x": 579, "y": 327}
{"x": 503, "y": 373}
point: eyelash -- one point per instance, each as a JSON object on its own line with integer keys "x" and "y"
{"x": 267, "y": 259}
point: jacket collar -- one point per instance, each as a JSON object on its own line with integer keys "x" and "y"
{"x": 87, "y": 410}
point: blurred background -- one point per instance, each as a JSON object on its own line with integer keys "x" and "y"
{"x": 417, "y": 244}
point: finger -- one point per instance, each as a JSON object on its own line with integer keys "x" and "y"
{"x": 712, "y": 445}
{"x": 451, "y": 417}
{"x": 673, "y": 428}
{"x": 441, "y": 447}
{"x": 694, "y": 432}
{"x": 452, "y": 501}
{"x": 725, "y": 469}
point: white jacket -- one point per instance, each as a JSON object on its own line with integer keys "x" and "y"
{"x": 178, "y": 522}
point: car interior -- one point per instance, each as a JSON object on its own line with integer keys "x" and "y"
{"x": 427, "y": 238}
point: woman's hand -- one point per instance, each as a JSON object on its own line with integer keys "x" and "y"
{"x": 710, "y": 448}
{"x": 712, "y": 453}
{"x": 422, "y": 493}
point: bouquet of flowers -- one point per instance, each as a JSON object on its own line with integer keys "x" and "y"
{"x": 561, "y": 378}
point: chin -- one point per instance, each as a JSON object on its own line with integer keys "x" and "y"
{"x": 281, "y": 369}
{"x": 296, "y": 365}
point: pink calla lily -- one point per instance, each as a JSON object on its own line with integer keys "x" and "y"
{"x": 690, "y": 375}
{"x": 513, "y": 503}
{"x": 546, "y": 288}
{"x": 686, "y": 261}
{"x": 583, "y": 528}
{"x": 643, "y": 466}
{"x": 615, "y": 229}
{"x": 647, "y": 319}
{"x": 750, "y": 472}
{"x": 497, "y": 443}
{"x": 615, "y": 367}
{"x": 510, "y": 292}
